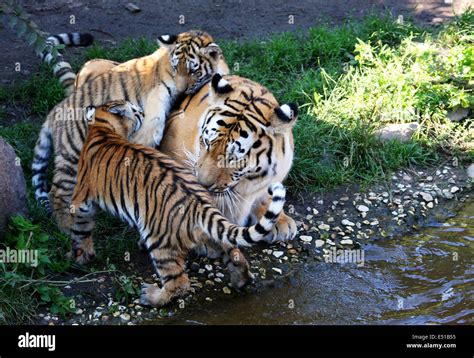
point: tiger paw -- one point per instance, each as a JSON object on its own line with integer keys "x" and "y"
{"x": 285, "y": 229}
{"x": 239, "y": 269}
{"x": 82, "y": 252}
{"x": 152, "y": 295}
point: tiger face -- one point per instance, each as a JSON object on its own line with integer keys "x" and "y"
{"x": 131, "y": 116}
{"x": 246, "y": 141}
{"x": 194, "y": 57}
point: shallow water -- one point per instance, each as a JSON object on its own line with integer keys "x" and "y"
{"x": 425, "y": 278}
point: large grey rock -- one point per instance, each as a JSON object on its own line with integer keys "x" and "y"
{"x": 12, "y": 186}
{"x": 470, "y": 171}
{"x": 401, "y": 131}
{"x": 458, "y": 114}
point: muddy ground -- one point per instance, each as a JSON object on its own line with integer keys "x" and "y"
{"x": 109, "y": 20}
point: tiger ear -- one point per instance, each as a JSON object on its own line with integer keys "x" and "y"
{"x": 213, "y": 50}
{"x": 220, "y": 85}
{"x": 89, "y": 113}
{"x": 167, "y": 41}
{"x": 285, "y": 117}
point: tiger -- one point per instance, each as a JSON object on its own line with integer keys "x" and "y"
{"x": 61, "y": 68}
{"x": 181, "y": 65}
{"x": 203, "y": 130}
{"x": 159, "y": 197}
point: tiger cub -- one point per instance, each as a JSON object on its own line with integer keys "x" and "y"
{"x": 182, "y": 64}
{"x": 160, "y": 198}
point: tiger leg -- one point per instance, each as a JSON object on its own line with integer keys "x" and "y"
{"x": 81, "y": 232}
{"x": 285, "y": 228}
{"x": 174, "y": 280}
{"x": 60, "y": 196}
{"x": 209, "y": 249}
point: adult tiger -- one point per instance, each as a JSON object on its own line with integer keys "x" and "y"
{"x": 182, "y": 64}
{"x": 158, "y": 196}
{"x": 246, "y": 116}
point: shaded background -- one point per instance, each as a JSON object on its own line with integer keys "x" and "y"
{"x": 110, "y": 21}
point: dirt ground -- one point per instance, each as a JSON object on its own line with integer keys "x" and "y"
{"x": 109, "y": 20}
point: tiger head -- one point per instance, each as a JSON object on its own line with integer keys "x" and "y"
{"x": 194, "y": 58}
{"x": 123, "y": 117}
{"x": 246, "y": 140}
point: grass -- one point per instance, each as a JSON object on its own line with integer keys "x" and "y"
{"x": 348, "y": 81}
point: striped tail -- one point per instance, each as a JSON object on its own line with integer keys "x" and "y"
{"x": 221, "y": 230}
{"x": 62, "y": 69}
{"x": 39, "y": 168}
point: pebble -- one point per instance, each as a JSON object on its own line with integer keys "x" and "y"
{"x": 454, "y": 189}
{"x": 426, "y": 196}
{"x": 324, "y": 227}
{"x": 278, "y": 254}
{"x": 277, "y": 270}
{"x": 208, "y": 267}
{"x": 306, "y": 238}
{"x": 346, "y": 222}
{"x": 226, "y": 290}
{"x": 319, "y": 243}
{"x": 362, "y": 208}
{"x": 132, "y": 7}
{"x": 125, "y": 317}
{"x": 347, "y": 242}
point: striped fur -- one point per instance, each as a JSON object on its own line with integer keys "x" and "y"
{"x": 62, "y": 69}
{"x": 241, "y": 113}
{"x": 238, "y": 140}
{"x": 181, "y": 65}
{"x": 160, "y": 198}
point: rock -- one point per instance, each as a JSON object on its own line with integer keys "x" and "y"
{"x": 306, "y": 238}
{"x": 426, "y": 196}
{"x": 319, "y": 243}
{"x": 277, "y": 270}
{"x": 347, "y": 242}
{"x": 226, "y": 290}
{"x": 324, "y": 227}
{"x": 194, "y": 267}
{"x": 346, "y": 222}
{"x": 278, "y": 254}
{"x": 208, "y": 267}
{"x": 400, "y": 131}
{"x": 458, "y": 114}
{"x": 362, "y": 208}
{"x": 125, "y": 317}
{"x": 12, "y": 186}
{"x": 470, "y": 171}
{"x": 132, "y": 7}
{"x": 454, "y": 189}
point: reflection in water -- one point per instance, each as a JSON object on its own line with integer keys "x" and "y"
{"x": 424, "y": 278}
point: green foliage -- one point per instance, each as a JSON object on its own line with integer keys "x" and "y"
{"x": 32, "y": 279}
{"x": 19, "y": 21}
